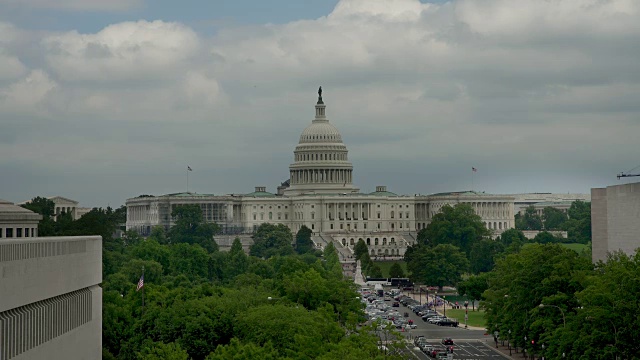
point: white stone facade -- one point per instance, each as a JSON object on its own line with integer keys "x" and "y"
{"x": 17, "y": 222}
{"x": 320, "y": 194}
{"x": 558, "y": 201}
{"x": 615, "y": 220}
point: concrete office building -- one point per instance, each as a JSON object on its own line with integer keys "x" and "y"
{"x": 615, "y": 220}
{"x": 320, "y": 194}
{"x": 50, "y": 298}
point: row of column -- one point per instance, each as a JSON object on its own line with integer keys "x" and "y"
{"x": 492, "y": 210}
{"x": 137, "y": 213}
{"x": 340, "y": 176}
{"x": 350, "y": 208}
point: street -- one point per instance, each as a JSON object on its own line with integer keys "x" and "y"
{"x": 463, "y": 350}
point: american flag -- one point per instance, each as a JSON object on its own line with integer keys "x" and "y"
{"x": 474, "y": 169}
{"x": 140, "y": 283}
{"x": 189, "y": 168}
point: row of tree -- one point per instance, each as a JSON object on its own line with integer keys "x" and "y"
{"x": 279, "y": 302}
{"x": 556, "y": 297}
{"x": 576, "y": 221}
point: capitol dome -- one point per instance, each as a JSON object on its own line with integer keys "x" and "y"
{"x": 321, "y": 163}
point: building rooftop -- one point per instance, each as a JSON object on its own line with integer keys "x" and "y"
{"x": 260, "y": 194}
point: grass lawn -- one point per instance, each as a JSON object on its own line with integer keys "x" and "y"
{"x": 576, "y": 247}
{"x": 476, "y": 318}
{"x": 386, "y": 265}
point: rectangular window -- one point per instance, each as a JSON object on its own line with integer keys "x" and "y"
{"x": 261, "y": 216}
{"x": 279, "y": 215}
{"x": 331, "y": 226}
{"x": 254, "y": 216}
{"x": 18, "y": 232}
{"x": 400, "y": 225}
{"x": 286, "y": 216}
{"x": 378, "y": 215}
{"x": 26, "y": 232}
{"x": 378, "y": 225}
{"x": 365, "y": 225}
{"x": 313, "y": 227}
{"x": 313, "y": 216}
{"x": 400, "y": 215}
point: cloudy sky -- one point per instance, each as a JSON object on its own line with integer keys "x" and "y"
{"x": 105, "y": 100}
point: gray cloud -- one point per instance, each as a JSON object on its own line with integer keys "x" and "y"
{"x": 540, "y": 96}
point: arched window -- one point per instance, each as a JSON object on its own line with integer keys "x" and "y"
{"x": 352, "y": 242}
{"x": 344, "y": 242}
{"x": 375, "y": 241}
{"x": 384, "y": 241}
{"x": 368, "y": 241}
{"x": 270, "y": 216}
{"x": 392, "y": 214}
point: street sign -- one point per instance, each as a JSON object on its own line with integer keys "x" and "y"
{"x": 466, "y": 317}
{"x": 495, "y": 333}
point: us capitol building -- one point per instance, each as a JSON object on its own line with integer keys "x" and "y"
{"x": 320, "y": 194}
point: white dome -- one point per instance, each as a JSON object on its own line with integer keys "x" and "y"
{"x": 320, "y": 132}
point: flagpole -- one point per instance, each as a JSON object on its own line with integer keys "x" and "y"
{"x": 187, "y": 179}
{"x": 143, "y": 290}
{"x": 472, "y": 179}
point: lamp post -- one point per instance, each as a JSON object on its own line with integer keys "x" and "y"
{"x": 444, "y": 305}
{"x": 466, "y": 310}
{"x": 542, "y": 351}
{"x": 524, "y": 347}
{"x": 564, "y": 321}
{"x": 509, "y": 341}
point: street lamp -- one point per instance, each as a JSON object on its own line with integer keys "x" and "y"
{"x": 466, "y": 310}
{"x": 509, "y": 342}
{"x": 444, "y": 305}
{"x": 542, "y": 351}
{"x": 564, "y": 322}
{"x": 524, "y": 347}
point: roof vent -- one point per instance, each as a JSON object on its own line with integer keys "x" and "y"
{"x": 381, "y": 188}
{"x": 261, "y": 189}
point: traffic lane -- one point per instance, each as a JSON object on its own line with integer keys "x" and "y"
{"x": 464, "y": 350}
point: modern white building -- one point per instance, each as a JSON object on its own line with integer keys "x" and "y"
{"x": 320, "y": 194}
{"x": 50, "y": 298}
{"x": 615, "y": 220}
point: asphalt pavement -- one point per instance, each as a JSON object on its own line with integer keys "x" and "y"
{"x": 463, "y": 350}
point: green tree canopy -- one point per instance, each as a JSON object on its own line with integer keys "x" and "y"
{"x": 360, "y": 249}
{"x": 458, "y": 226}
{"x": 190, "y": 228}
{"x": 396, "y": 271}
{"x": 303, "y": 240}
{"x": 439, "y": 266}
{"x": 483, "y": 255}
{"x": 530, "y": 220}
{"x": 270, "y": 240}
{"x": 553, "y": 219}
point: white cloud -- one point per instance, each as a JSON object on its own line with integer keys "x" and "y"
{"x": 28, "y": 94}
{"x": 78, "y": 5}
{"x": 129, "y": 51}
{"x": 527, "y": 85}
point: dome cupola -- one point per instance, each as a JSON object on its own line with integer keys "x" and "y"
{"x": 321, "y": 163}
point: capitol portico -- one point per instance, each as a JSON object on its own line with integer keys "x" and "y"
{"x": 320, "y": 194}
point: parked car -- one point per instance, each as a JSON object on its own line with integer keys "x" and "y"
{"x": 395, "y": 304}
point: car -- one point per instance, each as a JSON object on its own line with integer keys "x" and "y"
{"x": 426, "y": 348}
{"x": 395, "y": 304}
{"x": 447, "y": 341}
{"x": 448, "y": 322}
{"x": 442, "y": 355}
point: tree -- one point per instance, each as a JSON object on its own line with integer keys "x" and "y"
{"x": 270, "y": 240}
{"x": 512, "y": 240}
{"x": 441, "y": 265}
{"x": 236, "y": 350}
{"x": 579, "y": 224}
{"x": 520, "y": 282}
{"x": 458, "y": 226}
{"x": 530, "y": 220}
{"x": 545, "y": 237}
{"x": 159, "y": 350}
{"x": 360, "y": 249}
{"x": 483, "y": 254}
{"x": 191, "y": 229}
{"x": 473, "y": 287}
{"x": 396, "y": 271}
{"x": 374, "y": 271}
{"x": 303, "y": 240}
{"x": 553, "y": 219}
